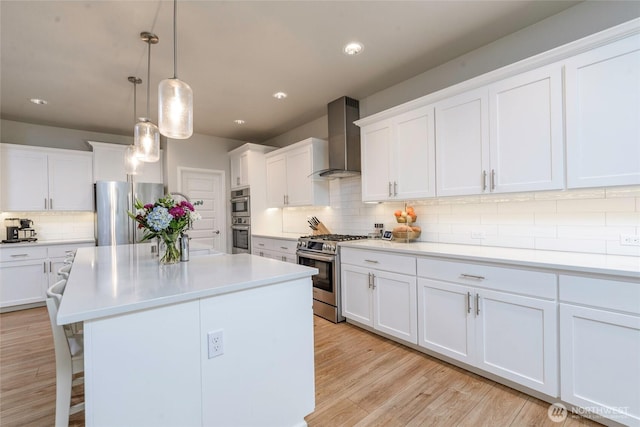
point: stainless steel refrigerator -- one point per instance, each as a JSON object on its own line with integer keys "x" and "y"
{"x": 113, "y": 200}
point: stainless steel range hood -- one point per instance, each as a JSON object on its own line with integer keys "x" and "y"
{"x": 344, "y": 139}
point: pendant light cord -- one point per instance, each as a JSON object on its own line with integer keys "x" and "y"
{"x": 135, "y": 83}
{"x": 148, "y": 78}
{"x": 175, "y": 40}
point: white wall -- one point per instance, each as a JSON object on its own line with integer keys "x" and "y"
{"x": 12, "y": 132}
{"x": 589, "y": 221}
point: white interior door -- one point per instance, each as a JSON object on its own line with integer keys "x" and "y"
{"x": 208, "y": 186}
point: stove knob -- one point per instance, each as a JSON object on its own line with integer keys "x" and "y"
{"x": 333, "y": 248}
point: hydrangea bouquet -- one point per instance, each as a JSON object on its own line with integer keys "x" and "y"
{"x": 166, "y": 220}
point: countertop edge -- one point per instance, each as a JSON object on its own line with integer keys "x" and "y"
{"x": 281, "y": 236}
{"x": 47, "y": 243}
{"x": 524, "y": 258}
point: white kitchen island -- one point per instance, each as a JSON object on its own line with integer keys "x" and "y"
{"x": 146, "y": 345}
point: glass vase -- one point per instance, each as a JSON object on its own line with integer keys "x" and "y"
{"x": 168, "y": 249}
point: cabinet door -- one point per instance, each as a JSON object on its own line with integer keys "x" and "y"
{"x": 462, "y": 144}
{"x": 375, "y": 157}
{"x": 357, "y": 300}
{"x": 24, "y": 180}
{"x": 414, "y": 155}
{"x": 446, "y": 319}
{"x": 276, "y": 181}
{"x": 70, "y": 182}
{"x": 394, "y": 305}
{"x": 22, "y": 282}
{"x": 239, "y": 170}
{"x": 108, "y": 162}
{"x": 526, "y": 132}
{"x": 299, "y": 190}
{"x": 600, "y": 362}
{"x": 603, "y": 111}
{"x": 516, "y": 338}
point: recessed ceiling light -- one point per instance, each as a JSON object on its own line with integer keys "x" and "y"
{"x": 279, "y": 95}
{"x": 38, "y": 101}
{"x": 239, "y": 121}
{"x": 353, "y": 48}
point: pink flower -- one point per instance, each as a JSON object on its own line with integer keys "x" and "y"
{"x": 187, "y": 205}
{"x": 177, "y": 212}
{"x": 148, "y": 206}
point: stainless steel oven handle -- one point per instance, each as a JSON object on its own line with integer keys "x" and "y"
{"x": 239, "y": 199}
{"x": 240, "y": 227}
{"x": 303, "y": 254}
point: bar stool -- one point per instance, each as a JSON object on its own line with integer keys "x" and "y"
{"x": 69, "y": 349}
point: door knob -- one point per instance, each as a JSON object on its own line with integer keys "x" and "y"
{"x": 216, "y": 232}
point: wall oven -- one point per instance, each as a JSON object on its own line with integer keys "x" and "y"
{"x": 240, "y": 202}
{"x": 240, "y": 235}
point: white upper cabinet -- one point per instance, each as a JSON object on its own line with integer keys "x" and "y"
{"x": 603, "y": 115}
{"x": 504, "y": 137}
{"x": 247, "y": 165}
{"x": 44, "y": 179}
{"x": 108, "y": 164}
{"x": 462, "y": 142}
{"x": 289, "y": 174}
{"x": 398, "y": 157}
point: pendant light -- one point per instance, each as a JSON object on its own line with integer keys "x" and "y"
{"x": 131, "y": 162}
{"x": 146, "y": 136}
{"x": 175, "y": 99}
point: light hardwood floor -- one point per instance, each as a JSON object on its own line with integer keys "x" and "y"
{"x": 361, "y": 380}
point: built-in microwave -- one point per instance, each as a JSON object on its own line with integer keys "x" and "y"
{"x": 240, "y": 205}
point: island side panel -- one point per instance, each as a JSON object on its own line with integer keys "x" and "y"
{"x": 266, "y": 375}
{"x": 143, "y": 368}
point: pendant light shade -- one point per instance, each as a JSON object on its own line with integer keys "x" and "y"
{"x": 146, "y": 139}
{"x": 132, "y": 164}
{"x": 146, "y": 136}
{"x": 175, "y": 109}
{"x": 175, "y": 98}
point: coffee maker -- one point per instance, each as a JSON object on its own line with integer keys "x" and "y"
{"x": 20, "y": 233}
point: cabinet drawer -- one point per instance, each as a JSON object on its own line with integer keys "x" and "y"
{"x": 379, "y": 260}
{"x": 22, "y": 253}
{"x": 524, "y": 282}
{"x": 280, "y": 245}
{"x": 60, "y": 251}
{"x": 602, "y": 293}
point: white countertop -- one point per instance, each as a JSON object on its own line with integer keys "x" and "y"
{"x": 626, "y": 266}
{"x": 110, "y": 280}
{"x": 48, "y": 243}
{"x": 282, "y": 235}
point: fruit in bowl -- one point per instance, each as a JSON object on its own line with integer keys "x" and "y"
{"x": 408, "y": 215}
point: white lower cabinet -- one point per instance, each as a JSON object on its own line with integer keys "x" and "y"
{"x": 280, "y": 249}
{"x": 383, "y": 300}
{"x": 600, "y": 347}
{"x": 26, "y": 272}
{"x": 500, "y": 320}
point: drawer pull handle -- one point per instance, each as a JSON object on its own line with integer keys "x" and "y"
{"x": 284, "y": 247}
{"x": 19, "y": 255}
{"x": 372, "y": 261}
{"x": 471, "y": 276}
{"x": 260, "y": 244}
{"x": 468, "y": 302}
{"x": 477, "y": 304}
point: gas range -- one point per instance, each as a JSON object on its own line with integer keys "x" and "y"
{"x": 325, "y": 243}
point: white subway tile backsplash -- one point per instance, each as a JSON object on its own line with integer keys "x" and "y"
{"x": 571, "y": 218}
{"x": 597, "y": 205}
{"x": 584, "y": 220}
{"x": 623, "y": 218}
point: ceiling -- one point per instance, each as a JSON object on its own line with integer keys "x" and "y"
{"x": 235, "y": 54}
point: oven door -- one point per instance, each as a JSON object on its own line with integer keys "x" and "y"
{"x": 241, "y": 235}
{"x": 240, "y": 206}
{"x": 325, "y": 283}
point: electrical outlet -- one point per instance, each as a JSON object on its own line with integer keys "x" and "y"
{"x": 630, "y": 240}
{"x": 215, "y": 343}
{"x": 478, "y": 235}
